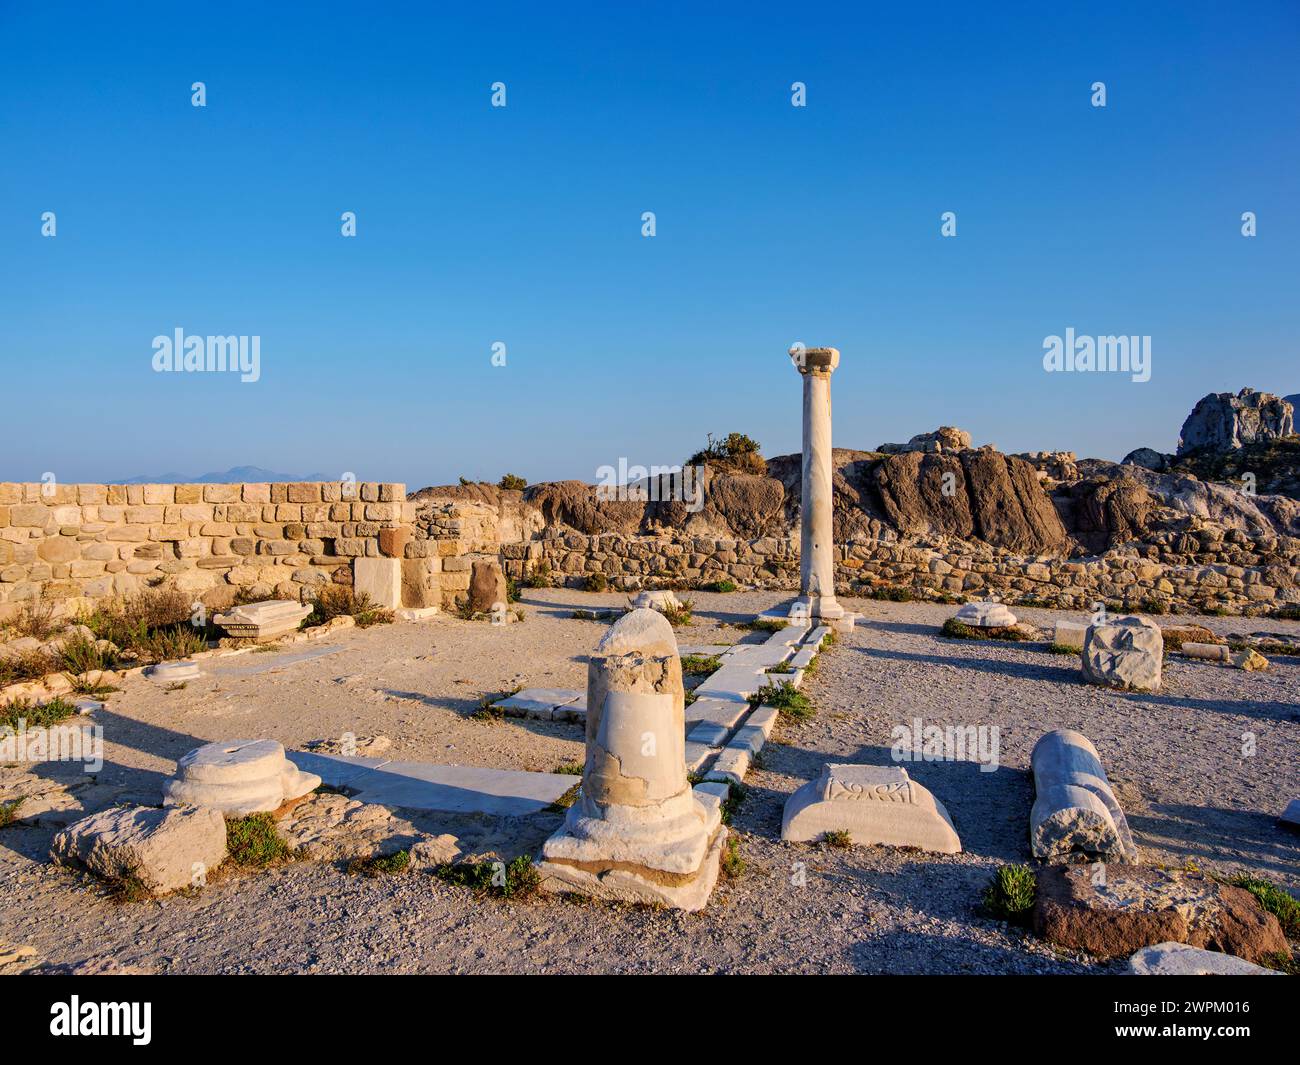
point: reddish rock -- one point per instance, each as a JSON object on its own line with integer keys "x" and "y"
{"x": 392, "y": 542}
{"x": 487, "y": 586}
{"x": 1135, "y": 906}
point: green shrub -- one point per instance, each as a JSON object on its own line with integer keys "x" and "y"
{"x": 889, "y": 594}
{"x": 538, "y": 577}
{"x": 35, "y": 619}
{"x": 1064, "y": 649}
{"x": 763, "y": 625}
{"x": 385, "y": 865}
{"x": 1010, "y": 894}
{"x": 572, "y": 769}
{"x": 9, "y": 812}
{"x": 37, "y": 715}
{"x": 735, "y": 451}
{"x": 679, "y": 614}
{"x": 724, "y": 585}
{"x": 511, "y": 481}
{"x": 595, "y": 582}
{"x": 789, "y": 701}
{"x": 1276, "y": 901}
{"x": 733, "y": 865}
{"x": 252, "y": 842}
{"x": 736, "y": 794}
{"x": 1284, "y": 963}
{"x": 337, "y": 600}
{"x": 959, "y": 630}
{"x": 701, "y": 663}
{"x": 837, "y": 838}
{"x": 517, "y": 879}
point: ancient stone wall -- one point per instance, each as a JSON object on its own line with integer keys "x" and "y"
{"x": 84, "y": 542}
{"x": 1209, "y": 569}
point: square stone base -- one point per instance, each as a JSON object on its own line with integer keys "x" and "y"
{"x": 637, "y": 885}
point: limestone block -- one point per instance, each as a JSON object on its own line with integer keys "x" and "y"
{"x": 420, "y": 587}
{"x": 380, "y": 579}
{"x": 986, "y": 615}
{"x": 1178, "y": 959}
{"x": 1070, "y": 633}
{"x": 267, "y": 620}
{"x": 875, "y": 805}
{"x": 163, "y": 849}
{"x": 1125, "y": 652}
{"x": 237, "y": 777}
{"x": 392, "y": 542}
{"x": 1075, "y": 816}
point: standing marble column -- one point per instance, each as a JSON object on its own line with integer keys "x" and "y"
{"x": 816, "y": 537}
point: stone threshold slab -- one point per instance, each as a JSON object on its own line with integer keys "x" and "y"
{"x": 436, "y": 788}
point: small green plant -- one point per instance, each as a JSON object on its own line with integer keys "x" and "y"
{"x": 678, "y": 615}
{"x": 1064, "y": 649}
{"x": 763, "y": 625}
{"x": 9, "y": 812}
{"x": 380, "y": 865}
{"x": 781, "y": 667}
{"x": 27, "y": 665}
{"x": 127, "y": 888}
{"x": 567, "y": 799}
{"x": 733, "y": 865}
{"x": 36, "y": 715}
{"x": 487, "y": 710}
{"x": 1284, "y": 963}
{"x": 337, "y": 600}
{"x": 889, "y": 594}
{"x": 736, "y": 794}
{"x": 253, "y": 843}
{"x": 583, "y": 615}
{"x": 837, "y": 838}
{"x": 517, "y": 879}
{"x": 1010, "y": 894}
{"x": 1276, "y": 901}
{"x": 571, "y": 769}
{"x": 595, "y": 582}
{"x": 79, "y": 653}
{"x": 512, "y": 481}
{"x": 701, "y": 663}
{"x": 1289, "y": 612}
{"x": 538, "y": 577}
{"x": 789, "y": 701}
{"x": 35, "y": 619}
{"x": 959, "y": 630}
{"x": 1153, "y": 606}
{"x": 724, "y": 585}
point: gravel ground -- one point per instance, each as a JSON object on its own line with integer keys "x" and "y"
{"x": 1175, "y": 758}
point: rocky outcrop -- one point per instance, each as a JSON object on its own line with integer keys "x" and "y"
{"x": 945, "y": 438}
{"x": 1222, "y": 421}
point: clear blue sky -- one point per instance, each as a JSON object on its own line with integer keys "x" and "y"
{"x": 523, "y": 225}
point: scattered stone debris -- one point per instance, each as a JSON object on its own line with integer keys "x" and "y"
{"x": 331, "y": 827}
{"x": 350, "y": 745}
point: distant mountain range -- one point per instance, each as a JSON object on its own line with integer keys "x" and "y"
{"x": 236, "y": 474}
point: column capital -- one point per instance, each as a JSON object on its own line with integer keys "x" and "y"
{"x": 814, "y": 360}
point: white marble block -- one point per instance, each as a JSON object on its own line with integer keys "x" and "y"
{"x": 986, "y": 615}
{"x": 237, "y": 777}
{"x": 262, "y": 621}
{"x": 874, "y": 804}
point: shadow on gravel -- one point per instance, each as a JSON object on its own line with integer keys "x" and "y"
{"x": 1219, "y": 836}
{"x": 906, "y": 952}
{"x": 1020, "y": 670}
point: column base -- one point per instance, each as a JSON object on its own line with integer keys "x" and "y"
{"x": 808, "y": 609}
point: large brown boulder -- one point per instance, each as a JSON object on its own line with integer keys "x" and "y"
{"x": 1112, "y": 911}
{"x": 925, "y": 493}
{"x": 487, "y": 586}
{"x": 1010, "y": 508}
{"x": 578, "y": 506}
